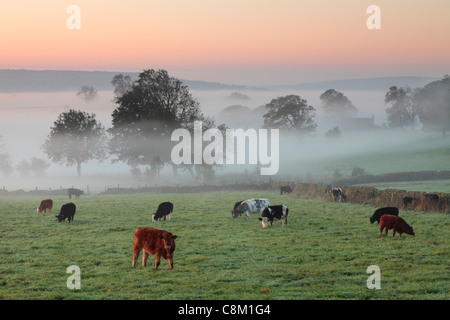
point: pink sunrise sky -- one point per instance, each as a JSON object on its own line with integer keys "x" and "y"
{"x": 230, "y": 41}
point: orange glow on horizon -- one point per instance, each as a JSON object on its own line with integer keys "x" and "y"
{"x": 221, "y": 34}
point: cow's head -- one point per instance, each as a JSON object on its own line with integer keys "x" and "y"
{"x": 238, "y": 210}
{"x": 168, "y": 240}
{"x": 59, "y": 217}
{"x": 265, "y": 222}
{"x": 153, "y": 218}
{"x": 409, "y": 230}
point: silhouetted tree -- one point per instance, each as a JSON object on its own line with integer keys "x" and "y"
{"x": 87, "y": 93}
{"x": 122, "y": 84}
{"x": 24, "y": 168}
{"x": 5, "y": 160}
{"x": 38, "y": 166}
{"x": 76, "y": 137}
{"x": 290, "y": 113}
{"x": 154, "y": 106}
{"x": 404, "y": 110}
{"x": 434, "y": 99}
{"x": 337, "y": 103}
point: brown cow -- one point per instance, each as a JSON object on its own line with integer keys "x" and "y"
{"x": 154, "y": 241}
{"x": 45, "y": 204}
{"x": 395, "y": 223}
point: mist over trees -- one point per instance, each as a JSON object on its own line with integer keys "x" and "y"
{"x": 88, "y": 94}
{"x": 430, "y": 105}
{"x": 336, "y": 103}
{"x": 75, "y": 138}
{"x": 434, "y": 99}
{"x": 290, "y": 113}
{"x": 148, "y": 112}
{"x": 150, "y": 108}
{"x": 5, "y": 161}
{"x": 122, "y": 84}
{"x": 405, "y": 109}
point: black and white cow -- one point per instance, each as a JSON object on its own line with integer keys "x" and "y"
{"x": 381, "y": 211}
{"x": 67, "y": 211}
{"x": 338, "y": 194}
{"x": 164, "y": 209}
{"x": 250, "y": 205}
{"x": 272, "y": 213}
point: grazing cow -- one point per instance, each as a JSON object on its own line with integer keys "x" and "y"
{"x": 250, "y": 205}
{"x": 397, "y": 224}
{"x": 271, "y": 213}
{"x": 74, "y": 192}
{"x": 154, "y": 241}
{"x": 379, "y": 212}
{"x": 287, "y": 189}
{"x": 407, "y": 200}
{"x": 432, "y": 197}
{"x": 164, "y": 209}
{"x": 67, "y": 211}
{"x": 44, "y": 205}
{"x": 338, "y": 194}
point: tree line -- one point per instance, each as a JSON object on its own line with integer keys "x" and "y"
{"x": 151, "y": 107}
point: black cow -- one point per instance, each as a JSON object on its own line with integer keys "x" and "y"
{"x": 432, "y": 197}
{"x": 67, "y": 211}
{"x": 272, "y": 213}
{"x": 74, "y": 192}
{"x": 408, "y": 200}
{"x": 287, "y": 189}
{"x": 164, "y": 209}
{"x": 338, "y": 194}
{"x": 381, "y": 211}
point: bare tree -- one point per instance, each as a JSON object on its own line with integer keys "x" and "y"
{"x": 87, "y": 93}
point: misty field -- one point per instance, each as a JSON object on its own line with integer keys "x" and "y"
{"x": 322, "y": 253}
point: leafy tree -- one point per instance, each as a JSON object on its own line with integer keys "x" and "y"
{"x": 147, "y": 114}
{"x": 334, "y": 133}
{"x": 87, "y": 93}
{"x": 290, "y": 113}
{"x": 435, "y": 101}
{"x": 76, "y": 137}
{"x": 336, "y": 102}
{"x": 404, "y": 110}
{"x": 5, "y": 161}
{"x": 24, "y": 168}
{"x": 38, "y": 166}
{"x": 122, "y": 84}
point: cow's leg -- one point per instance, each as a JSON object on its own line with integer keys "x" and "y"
{"x": 145, "y": 255}
{"x": 170, "y": 259}
{"x": 381, "y": 229}
{"x": 157, "y": 261}
{"x": 136, "y": 252}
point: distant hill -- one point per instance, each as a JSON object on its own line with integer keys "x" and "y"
{"x": 383, "y": 83}
{"x": 56, "y": 80}
{"x": 60, "y": 80}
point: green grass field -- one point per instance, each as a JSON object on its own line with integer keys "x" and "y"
{"x": 323, "y": 252}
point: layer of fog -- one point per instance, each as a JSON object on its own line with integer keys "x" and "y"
{"x": 26, "y": 119}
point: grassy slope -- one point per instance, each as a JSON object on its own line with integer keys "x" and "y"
{"x": 323, "y": 253}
